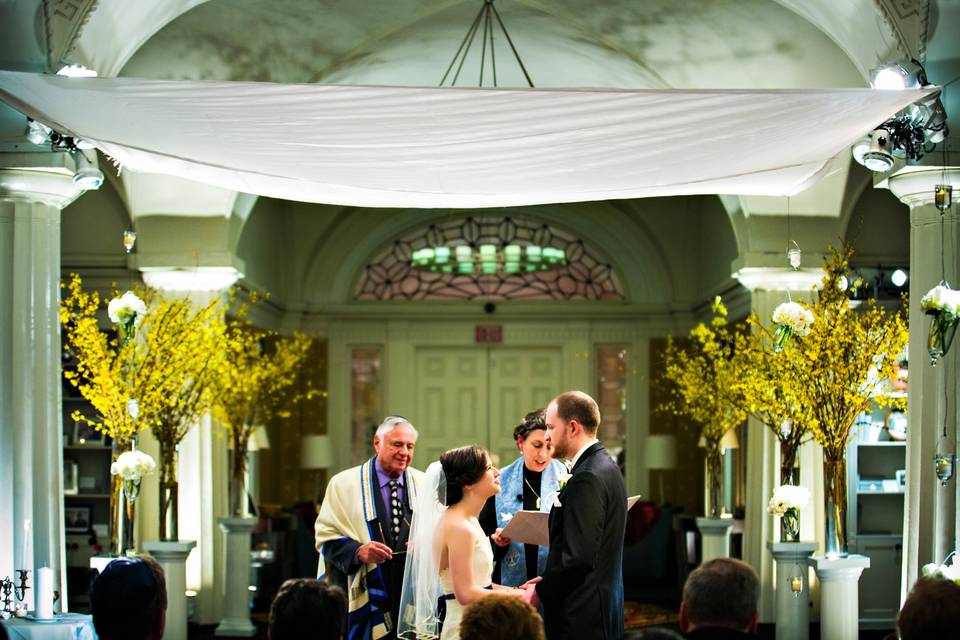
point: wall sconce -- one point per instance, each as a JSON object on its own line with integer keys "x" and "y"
{"x": 943, "y": 196}
{"x": 129, "y": 240}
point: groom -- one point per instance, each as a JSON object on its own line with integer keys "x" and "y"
{"x": 582, "y": 586}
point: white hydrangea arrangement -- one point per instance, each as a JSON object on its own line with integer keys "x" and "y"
{"x": 127, "y": 312}
{"x": 787, "y": 497}
{"x": 941, "y": 299}
{"x": 945, "y": 571}
{"x": 133, "y": 465}
{"x": 790, "y": 318}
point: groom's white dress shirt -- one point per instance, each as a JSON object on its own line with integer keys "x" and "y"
{"x": 573, "y": 461}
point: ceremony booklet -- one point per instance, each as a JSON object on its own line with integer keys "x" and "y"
{"x": 533, "y": 527}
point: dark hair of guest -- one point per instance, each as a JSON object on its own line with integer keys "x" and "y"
{"x": 308, "y": 608}
{"x": 461, "y": 467}
{"x": 932, "y": 605}
{"x": 531, "y": 422}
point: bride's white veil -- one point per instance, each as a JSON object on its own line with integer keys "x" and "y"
{"x": 421, "y": 576}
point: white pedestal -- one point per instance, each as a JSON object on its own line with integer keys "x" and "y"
{"x": 792, "y": 607}
{"x": 236, "y": 606}
{"x": 172, "y": 556}
{"x": 839, "y": 595}
{"x": 715, "y": 533}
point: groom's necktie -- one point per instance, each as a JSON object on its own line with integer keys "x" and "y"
{"x": 396, "y": 512}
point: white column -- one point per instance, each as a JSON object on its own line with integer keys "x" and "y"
{"x": 236, "y": 606}
{"x": 930, "y": 511}
{"x": 769, "y": 287}
{"x": 792, "y": 588}
{"x": 203, "y": 465}
{"x": 715, "y": 538}
{"x": 172, "y": 556}
{"x": 33, "y": 190}
{"x": 839, "y": 595}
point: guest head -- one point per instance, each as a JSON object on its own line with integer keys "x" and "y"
{"x": 720, "y": 593}
{"x": 531, "y": 438}
{"x": 932, "y": 606}
{"x": 501, "y": 618}
{"x": 468, "y": 472}
{"x": 572, "y": 420}
{"x": 394, "y": 441}
{"x": 129, "y": 600}
{"x": 308, "y": 608}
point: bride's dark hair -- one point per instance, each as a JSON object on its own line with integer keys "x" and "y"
{"x": 462, "y": 466}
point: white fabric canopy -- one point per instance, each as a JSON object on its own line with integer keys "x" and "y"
{"x": 454, "y": 147}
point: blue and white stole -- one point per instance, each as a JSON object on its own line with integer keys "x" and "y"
{"x": 513, "y": 566}
{"x": 369, "y": 615}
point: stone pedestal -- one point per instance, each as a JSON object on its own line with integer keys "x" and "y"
{"x": 172, "y": 556}
{"x": 792, "y": 588}
{"x": 715, "y": 533}
{"x": 236, "y": 607}
{"x": 839, "y": 595}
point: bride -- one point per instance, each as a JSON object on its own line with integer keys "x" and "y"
{"x": 449, "y": 559}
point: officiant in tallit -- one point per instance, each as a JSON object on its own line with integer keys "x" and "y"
{"x": 362, "y": 529}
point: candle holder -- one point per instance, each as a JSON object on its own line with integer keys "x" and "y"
{"x": 21, "y": 591}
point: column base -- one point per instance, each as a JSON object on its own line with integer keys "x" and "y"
{"x": 236, "y": 629}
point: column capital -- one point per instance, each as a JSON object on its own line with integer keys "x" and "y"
{"x": 843, "y": 569}
{"x": 170, "y": 551}
{"x": 914, "y": 185}
{"x": 46, "y": 178}
{"x": 237, "y": 525}
{"x": 792, "y": 551}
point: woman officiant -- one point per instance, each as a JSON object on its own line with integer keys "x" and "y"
{"x": 529, "y": 483}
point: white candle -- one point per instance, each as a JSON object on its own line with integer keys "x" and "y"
{"x": 43, "y": 604}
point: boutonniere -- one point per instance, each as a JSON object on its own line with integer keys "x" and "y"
{"x": 563, "y": 479}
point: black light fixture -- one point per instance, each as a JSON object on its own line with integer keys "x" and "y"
{"x": 485, "y": 19}
{"x": 912, "y": 133}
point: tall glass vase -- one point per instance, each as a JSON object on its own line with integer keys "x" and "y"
{"x": 835, "y": 505}
{"x": 125, "y": 522}
{"x": 714, "y": 482}
{"x": 118, "y": 521}
{"x": 789, "y": 521}
{"x": 169, "y": 524}
{"x": 238, "y": 489}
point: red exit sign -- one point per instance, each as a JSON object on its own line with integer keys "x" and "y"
{"x": 488, "y": 334}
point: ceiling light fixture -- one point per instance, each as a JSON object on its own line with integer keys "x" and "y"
{"x": 877, "y": 157}
{"x": 898, "y": 278}
{"x": 76, "y": 71}
{"x": 37, "y": 132}
{"x": 899, "y": 76}
{"x": 87, "y": 176}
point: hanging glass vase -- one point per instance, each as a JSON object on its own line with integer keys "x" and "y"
{"x": 169, "y": 525}
{"x": 835, "y": 505}
{"x": 945, "y": 459}
{"x": 714, "y": 482}
{"x": 943, "y": 328}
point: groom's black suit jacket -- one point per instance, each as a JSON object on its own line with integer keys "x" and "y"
{"x": 582, "y": 586}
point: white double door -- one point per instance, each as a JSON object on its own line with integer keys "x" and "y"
{"x": 477, "y": 395}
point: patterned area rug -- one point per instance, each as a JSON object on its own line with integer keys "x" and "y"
{"x": 636, "y": 615}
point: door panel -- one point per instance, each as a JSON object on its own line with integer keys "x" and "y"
{"x": 451, "y": 401}
{"x": 521, "y": 380}
{"x": 477, "y": 396}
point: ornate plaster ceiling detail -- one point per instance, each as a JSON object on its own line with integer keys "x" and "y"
{"x": 65, "y": 22}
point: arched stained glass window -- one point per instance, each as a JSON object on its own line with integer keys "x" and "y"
{"x": 583, "y": 274}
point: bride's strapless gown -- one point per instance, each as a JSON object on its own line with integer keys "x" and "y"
{"x": 482, "y": 577}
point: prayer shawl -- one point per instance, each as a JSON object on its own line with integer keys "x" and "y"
{"x": 349, "y": 511}
{"x": 513, "y": 566}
